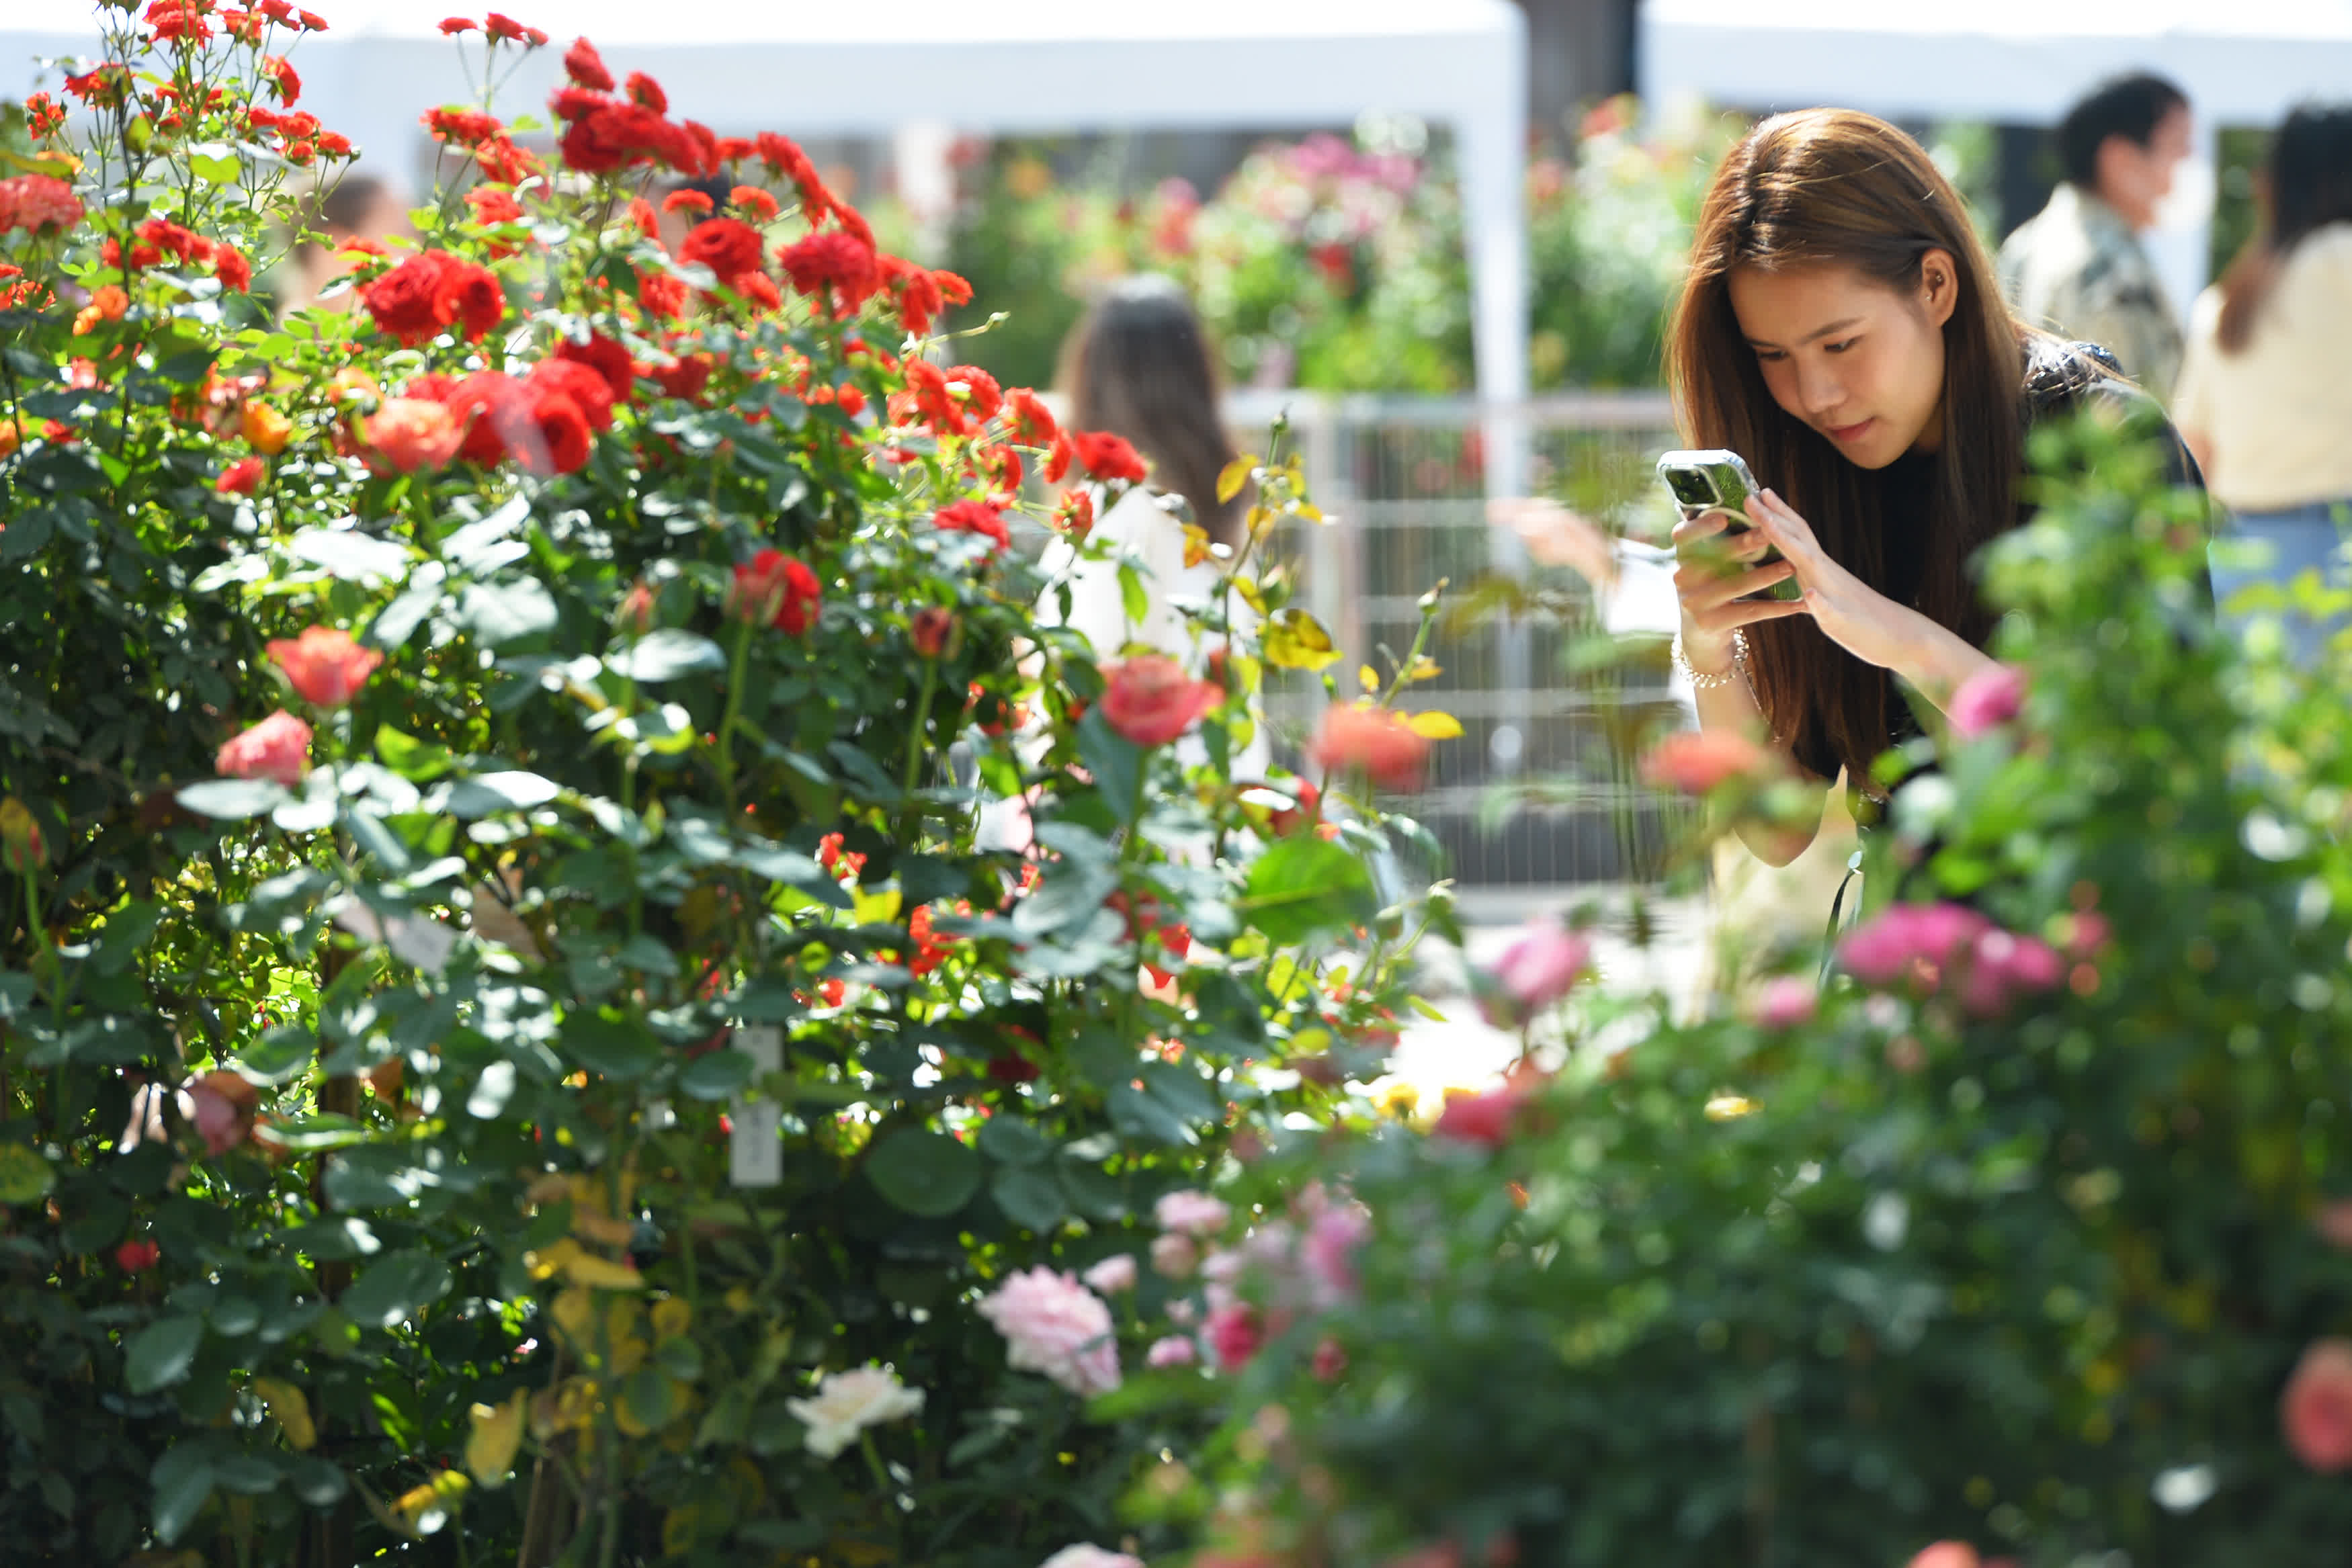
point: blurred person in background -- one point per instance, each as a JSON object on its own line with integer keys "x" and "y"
{"x": 2265, "y": 400}
{"x": 1139, "y": 365}
{"x": 357, "y": 207}
{"x": 2078, "y": 267}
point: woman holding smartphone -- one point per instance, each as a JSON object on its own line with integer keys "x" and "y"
{"x": 1840, "y": 327}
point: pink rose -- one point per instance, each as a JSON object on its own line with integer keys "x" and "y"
{"x": 1174, "y": 1256}
{"x": 1193, "y": 1213}
{"x": 1151, "y": 701}
{"x": 1699, "y": 761}
{"x": 136, "y": 1257}
{"x": 2334, "y": 1222}
{"x": 1112, "y": 1275}
{"x": 1176, "y": 1350}
{"x": 1088, "y": 1555}
{"x": 1052, "y": 1324}
{"x": 1786, "y": 1002}
{"x": 1481, "y": 1118}
{"x": 1534, "y": 972}
{"x": 1945, "y": 1554}
{"x": 1902, "y": 939}
{"x": 1987, "y": 700}
{"x": 277, "y": 748}
{"x": 2001, "y": 965}
{"x": 1329, "y": 1250}
{"x": 1235, "y": 1335}
{"x": 326, "y": 665}
{"x": 1330, "y": 1362}
{"x": 1380, "y": 742}
{"x": 2316, "y": 1408}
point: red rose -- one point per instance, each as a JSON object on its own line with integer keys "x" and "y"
{"x": 753, "y": 200}
{"x": 492, "y": 205}
{"x": 1151, "y": 701}
{"x": 477, "y": 301}
{"x": 973, "y": 517}
{"x": 684, "y": 377}
{"x": 982, "y": 397}
{"x": 1698, "y": 761}
{"x": 757, "y": 288}
{"x": 241, "y": 478}
{"x": 688, "y": 199}
{"x": 1075, "y": 515}
{"x": 503, "y": 28}
{"x": 1481, "y": 1118}
{"x": 584, "y": 384}
{"x": 585, "y": 66}
{"x": 1031, "y": 421}
{"x": 557, "y": 439}
{"x": 1108, "y": 457}
{"x": 774, "y": 588}
{"x": 476, "y": 403}
{"x": 324, "y": 664}
{"x": 453, "y": 26}
{"x": 1058, "y": 457}
{"x": 136, "y": 1257}
{"x": 412, "y": 302}
{"x": 277, "y": 748}
{"x": 608, "y": 360}
{"x": 932, "y": 630}
{"x": 1374, "y": 739}
{"x": 411, "y": 433}
{"x": 647, "y": 93}
{"x": 726, "y": 245}
{"x": 839, "y": 270}
{"x": 231, "y": 267}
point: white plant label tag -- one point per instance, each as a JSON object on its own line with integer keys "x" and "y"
{"x": 755, "y": 1150}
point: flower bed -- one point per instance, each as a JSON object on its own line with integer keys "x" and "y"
{"x": 510, "y": 1029}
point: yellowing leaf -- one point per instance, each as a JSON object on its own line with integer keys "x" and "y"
{"x": 1369, "y": 678}
{"x": 288, "y": 1408}
{"x": 1312, "y": 513}
{"x": 1297, "y": 641}
{"x": 1196, "y": 545}
{"x": 544, "y": 1262}
{"x": 496, "y": 1436}
{"x": 1431, "y": 724}
{"x": 574, "y": 1311}
{"x": 427, "y": 1507}
{"x": 672, "y": 1316}
{"x": 878, "y": 909}
{"x": 1251, "y": 594}
{"x": 1424, "y": 669}
{"x": 601, "y": 1274}
{"x": 1235, "y": 475}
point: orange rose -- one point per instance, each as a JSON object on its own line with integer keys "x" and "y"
{"x": 1378, "y": 741}
{"x": 1695, "y": 761}
{"x": 411, "y": 432}
{"x": 325, "y": 664}
{"x": 1151, "y": 701}
{"x": 267, "y": 430}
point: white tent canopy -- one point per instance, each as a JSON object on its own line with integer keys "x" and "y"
{"x": 809, "y": 69}
{"x": 2022, "y": 62}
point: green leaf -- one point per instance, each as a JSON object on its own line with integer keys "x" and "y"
{"x": 183, "y": 1479}
{"x": 25, "y": 1176}
{"x": 414, "y": 760}
{"x": 214, "y": 163}
{"x": 1116, "y": 762}
{"x": 923, "y": 1173}
{"x": 716, "y": 1075}
{"x": 350, "y": 556}
{"x": 281, "y": 1054}
{"x": 1305, "y": 886}
{"x": 394, "y": 1287}
{"x": 1030, "y": 1197}
{"x": 610, "y": 1045}
{"x": 505, "y": 611}
{"x": 160, "y": 1354}
{"x": 1010, "y": 1141}
{"x": 232, "y": 799}
{"x": 397, "y": 622}
{"x": 666, "y": 655}
{"x": 485, "y": 794}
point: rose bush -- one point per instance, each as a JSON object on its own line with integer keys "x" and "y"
{"x": 514, "y": 1042}
{"x": 2020, "y": 1242}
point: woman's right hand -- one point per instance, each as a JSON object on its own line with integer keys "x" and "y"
{"x": 1714, "y": 574}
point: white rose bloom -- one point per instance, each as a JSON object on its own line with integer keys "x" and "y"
{"x": 847, "y": 1403}
{"x": 1086, "y": 1555}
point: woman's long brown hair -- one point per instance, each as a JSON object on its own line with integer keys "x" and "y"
{"x": 2309, "y": 181}
{"x": 1139, "y": 366}
{"x": 1837, "y": 186}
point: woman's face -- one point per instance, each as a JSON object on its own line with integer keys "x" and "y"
{"x": 1859, "y": 361}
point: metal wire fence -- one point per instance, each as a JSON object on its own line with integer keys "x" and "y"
{"x": 1405, "y": 480}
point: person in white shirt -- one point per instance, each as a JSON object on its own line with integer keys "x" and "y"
{"x": 2264, "y": 401}
{"x": 1138, "y": 365}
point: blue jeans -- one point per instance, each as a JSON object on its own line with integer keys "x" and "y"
{"x": 2278, "y": 548}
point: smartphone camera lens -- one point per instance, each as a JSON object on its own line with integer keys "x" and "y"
{"x": 1690, "y": 487}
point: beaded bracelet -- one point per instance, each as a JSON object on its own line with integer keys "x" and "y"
{"x": 1711, "y": 680}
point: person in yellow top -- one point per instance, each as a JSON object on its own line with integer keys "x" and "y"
{"x": 2077, "y": 268}
{"x": 2265, "y": 403}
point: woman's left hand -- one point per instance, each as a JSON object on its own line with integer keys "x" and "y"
{"x": 1850, "y": 613}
